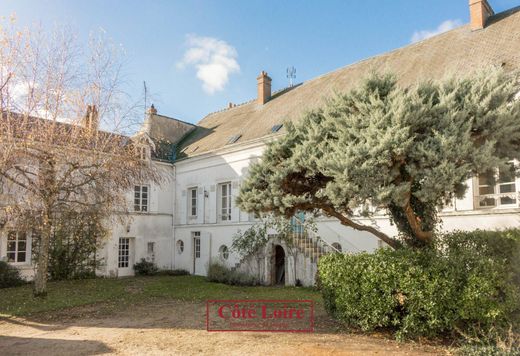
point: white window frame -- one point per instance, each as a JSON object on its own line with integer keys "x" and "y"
{"x": 195, "y": 235}
{"x": 141, "y": 204}
{"x": 17, "y": 250}
{"x": 223, "y": 252}
{"x": 123, "y": 253}
{"x": 142, "y": 152}
{"x": 497, "y": 195}
{"x": 193, "y": 203}
{"x": 224, "y": 201}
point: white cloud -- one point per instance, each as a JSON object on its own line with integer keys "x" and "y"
{"x": 443, "y": 27}
{"x": 213, "y": 59}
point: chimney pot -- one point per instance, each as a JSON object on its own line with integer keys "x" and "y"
{"x": 152, "y": 110}
{"x": 91, "y": 119}
{"x": 264, "y": 88}
{"x": 479, "y": 11}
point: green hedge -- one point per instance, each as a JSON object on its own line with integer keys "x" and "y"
{"x": 10, "y": 276}
{"x": 468, "y": 284}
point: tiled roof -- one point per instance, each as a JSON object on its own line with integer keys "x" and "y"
{"x": 456, "y": 52}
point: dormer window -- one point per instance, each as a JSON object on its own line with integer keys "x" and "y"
{"x": 276, "y": 128}
{"x": 233, "y": 139}
{"x": 143, "y": 153}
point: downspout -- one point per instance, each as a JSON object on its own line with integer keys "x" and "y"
{"x": 174, "y": 208}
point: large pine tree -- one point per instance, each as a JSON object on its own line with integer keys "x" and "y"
{"x": 403, "y": 150}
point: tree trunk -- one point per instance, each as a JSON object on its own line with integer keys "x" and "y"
{"x": 415, "y": 225}
{"x": 40, "y": 280}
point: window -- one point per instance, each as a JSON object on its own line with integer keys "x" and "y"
{"x": 142, "y": 152}
{"x": 497, "y": 188}
{"x": 192, "y": 202}
{"x": 150, "y": 247}
{"x": 16, "y": 247}
{"x": 180, "y": 247}
{"x": 337, "y": 246}
{"x": 297, "y": 223}
{"x": 196, "y": 243}
{"x": 276, "y": 128}
{"x": 223, "y": 252}
{"x": 233, "y": 139}
{"x": 141, "y": 198}
{"x": 225, "y": 201}
{"x": 124, "y": 252}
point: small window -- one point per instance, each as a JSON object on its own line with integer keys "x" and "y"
{"x": 142, "y": 152}
{"x": 223, "y": 252}
{"x": 192, "y": 202}
{"x": 150, "y": 248}
{"x": 180, "y": 247}
{"x": 225, "y": 201}
{"x": 233, "y": 139}
{"x": 141, "y": 198}
{"x": 16, "y": 247}
{"x": 276, "y": 128}
{"x": 337, "y": 246}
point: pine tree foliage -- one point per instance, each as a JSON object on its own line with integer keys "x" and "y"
{"x": 405, "y": 151}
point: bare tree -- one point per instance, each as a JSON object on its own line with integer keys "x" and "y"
{"x": 63, "y": 146}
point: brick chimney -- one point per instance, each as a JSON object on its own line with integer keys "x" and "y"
{"x": 479, "y": 12}
{"x": 91, "y": 119}
{"x": 264, "y": 88}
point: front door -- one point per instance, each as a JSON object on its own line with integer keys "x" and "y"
{"x": 125, "y": 261}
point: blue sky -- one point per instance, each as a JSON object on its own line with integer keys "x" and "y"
{"x": 196, "y": 56}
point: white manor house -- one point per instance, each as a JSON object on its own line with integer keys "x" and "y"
{"x": 191, "y": 220}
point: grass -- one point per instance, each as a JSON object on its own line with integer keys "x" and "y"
{"x": 63, "y": 295}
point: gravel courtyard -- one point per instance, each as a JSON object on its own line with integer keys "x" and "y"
{"x": 177, "y": 328}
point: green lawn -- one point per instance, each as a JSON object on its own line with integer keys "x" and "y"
{"x": 67, "y": 294}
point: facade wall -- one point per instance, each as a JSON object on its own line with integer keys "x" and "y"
{"x": 206, "y": 172}
{"x": 170, "y": 222}
{"x": 155, "y": 225}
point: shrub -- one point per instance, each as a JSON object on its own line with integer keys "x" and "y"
{"x": 465, "y": 285}
{"x": 9, "y": 276}
{"x": 173, "y": 272}
{"x": 219, "y": 273}
{"x": 145, "y": 268}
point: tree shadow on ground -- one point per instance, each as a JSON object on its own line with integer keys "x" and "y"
{"x": 16, "y": 345}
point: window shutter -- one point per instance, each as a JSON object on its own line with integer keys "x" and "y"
{"x": 200, "y": 205}
{"x": 212, "y": 202}
{"x": 182, "y": 206}
{"x": 235, "y": 211}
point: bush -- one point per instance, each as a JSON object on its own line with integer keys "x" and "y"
{"x": 173, "y": 272}
{"x": 219, "y": 273}
{"x": 145, "y": 268}
{"x": 9, "y": 276}
{"x": 465, "y": 285}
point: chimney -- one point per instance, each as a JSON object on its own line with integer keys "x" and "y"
{"x": 264, "y": 88}
{"x": 91, "y": 119}
{"x": 152, "y": 110}
{"x": 479, "y": 12}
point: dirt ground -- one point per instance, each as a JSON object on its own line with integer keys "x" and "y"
{"x": 178, "y": 328}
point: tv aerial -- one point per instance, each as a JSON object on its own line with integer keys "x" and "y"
{"x": 291, "y": 75}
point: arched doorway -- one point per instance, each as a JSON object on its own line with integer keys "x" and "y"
{"x": 279, "y": 265}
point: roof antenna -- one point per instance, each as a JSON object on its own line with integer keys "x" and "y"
{"x": 145, "y": 98}
{"x": 291, "y": 74}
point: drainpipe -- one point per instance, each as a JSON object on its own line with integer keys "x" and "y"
{"x": 174, "y": 208}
